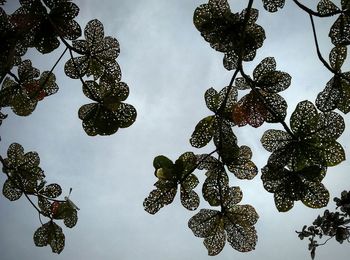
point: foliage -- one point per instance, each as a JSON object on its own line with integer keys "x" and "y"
{"x": 300, "y": 154}
{"x": 45, "y": 25}
{"x": 330, "y": 225}
{"x": 24, "y": 176}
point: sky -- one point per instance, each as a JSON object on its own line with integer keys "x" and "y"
{"x": 168, "y": 67}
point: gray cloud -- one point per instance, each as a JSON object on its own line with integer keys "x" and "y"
{"x": 168, "y": 67}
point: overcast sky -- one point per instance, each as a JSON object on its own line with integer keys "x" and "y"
{"x": 168, "y": 67}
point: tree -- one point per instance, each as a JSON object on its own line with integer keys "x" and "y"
{"x": 300, "y": 155}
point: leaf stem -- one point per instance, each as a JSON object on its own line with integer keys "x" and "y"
{"x": 319, "y": 54}
{"x": 14, "y": 76}
{"x": 54, "y": 66}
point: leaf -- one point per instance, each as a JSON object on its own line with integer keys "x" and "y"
{"x": 214, "y": 186}
{"x": 340, "y": 31}
{"x": 189, "y": 199}
{"x": 273, "y": 140}
{"x": 158, "y": 198}
{"x": 337, "y": 57}
{"x": 232, "y": 197}
{"x": 242, "y": 84}
{"x": 264, "y": 67}
{"x": 239, "y": 222}
{"x": 283, "y": 202}
{"x": 10, "y": 191}
{"x": 275, "y": 81}
{"x": 212, "y": 99}
{"x": 226, "y": 142}
{"x": 23, "y": 168}
{"x": 44, "y": 205}
{"x": 109, "y": 114}
{"x": 207, "y": 162}
{"x": 304, "y": 118}
{"x": 316, "y": 196}
{"x": 208, "y": 224}
{"x": 99, "y": 56}
{"x": 230, "y": 60}
{"x": 243, "y": 169}
{"x": 203, "y": 132}
{"x": 71, "y": 219}
{"x": 326, "y": 7}
{"x": 253, "y": 109}
{"x": 50, "y": 234}
{"x": 335, "y": 95}
{"x": 162, "y": 161}
{"x": 222, "y": 29}
{"x": 52, "y": 190}
{"x": 289, "y": 186}
{"x": 273, "y": 5}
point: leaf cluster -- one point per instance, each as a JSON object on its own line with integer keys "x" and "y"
{"x": 24, "y": 176}
{"x": 330, "y": 225}
{"x": 300, "y": 154}
{"x": 108, "y": 113}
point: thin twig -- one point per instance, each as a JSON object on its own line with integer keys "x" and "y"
{"x": 14, "y": 76}
{"x": 319, "y": 54}
{"x": 54, "y": 66}
{"x": 312, "y": 12}
{"x": 325, "y": 241}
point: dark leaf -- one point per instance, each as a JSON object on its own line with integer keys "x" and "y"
{"x": 158, "y": 198}
{"x": 208, "y": 224}
{"x": 10, "y": 191}
{"x": 71, "y": 219}
{"x": 44, "y": 205}
{"x": 316, "y": 195}
{"x": 273, "y": 5}
{"x": 52, "y": 190}
{"x": 239, "y": 222}
{"x": 203, "y": 132}
{"x": 189, "y": 198}
{"x": 50, "y": 234}
{"x": 215, "y": 185}
{"x": 340, "y": 30}
{"x": 337, "y": 57}
{"x": 326, "y": 7}
{"x": 273, "y": 140}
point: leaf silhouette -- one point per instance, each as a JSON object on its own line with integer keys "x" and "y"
{"x": 314, "y": 141}
{"x": 170, "y": 175}
{"x": 50, "y": 234}
{"x": 337, "y": 57}
{"x": 255, "y": 107}
{"x": 289, "y": 186}
{"x": 340, "y": 30}
{"x": 23, "y": 171}
{"x": 109, "y": 113}
{"x": 273, "y": 5}
{"x": 42, "y": 28}
{"x": 99, "y": 55}
{"x": 335, "y": 95}
{"x": 24, "y": 95}
{"x": 326, "y": 7}
{"x": 235, "y": 224}
{"x": 222, "y": 29}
